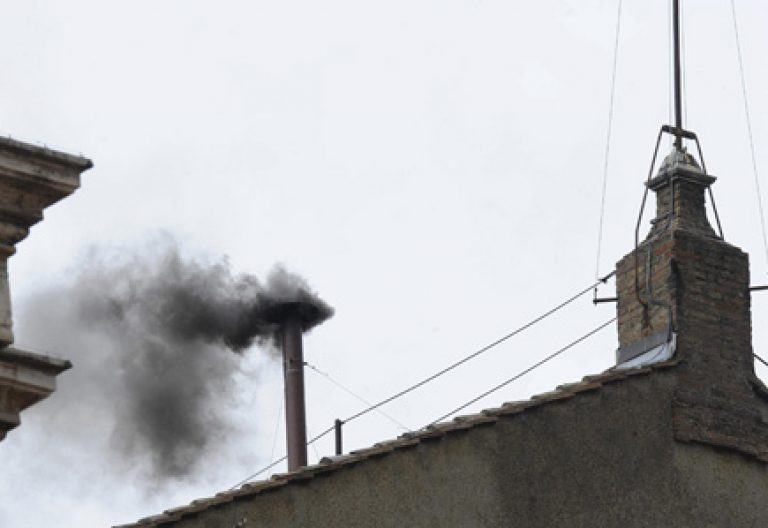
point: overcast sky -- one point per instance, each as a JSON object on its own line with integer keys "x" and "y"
{"x": 432, "y": 168}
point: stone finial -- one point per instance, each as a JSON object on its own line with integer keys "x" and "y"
{"x": 680, "y": 188}
{"x": 31, "y": 179}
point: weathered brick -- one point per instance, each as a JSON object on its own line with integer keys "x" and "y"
{"x": 705, "y": 282}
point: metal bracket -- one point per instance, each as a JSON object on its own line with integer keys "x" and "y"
{"x": 598, "y": 300}
{"x": 604, "y": 280}
{"x": 674, "y": 131}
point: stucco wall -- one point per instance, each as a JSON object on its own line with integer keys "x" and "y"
{"x": 602, "y": 459}
{"x": 719, "y": 489}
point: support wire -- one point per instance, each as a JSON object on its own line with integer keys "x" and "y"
{"x": 608, "y": 142}
{"x": 278, "y": 461}
{"x": 356, "y": 396}
{"x": 277, "y": 427}
{"x": 526, "y": 371}
{"x": 761, "y": 360}
{"x": 482, "y": 350}
{"x": 749, "y": 132}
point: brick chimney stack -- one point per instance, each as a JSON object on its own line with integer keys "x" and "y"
{"x": 683, "y": 293}
{"x": 685, "y": 282}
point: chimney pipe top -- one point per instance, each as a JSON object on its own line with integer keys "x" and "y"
{"x": 307, "y": 314}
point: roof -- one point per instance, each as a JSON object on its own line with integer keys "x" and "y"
{"x": 461, "y": 423}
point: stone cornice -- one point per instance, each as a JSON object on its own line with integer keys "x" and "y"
{"x": 33, "y": 360}
{"x": 25, "y": 379}
{"x": 681, "y": 174}
{"x": 31, "y": 179}
{"x": 42, "y": 153}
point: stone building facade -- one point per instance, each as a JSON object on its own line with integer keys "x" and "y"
{"x": 31, "y": 179}
{"x": 675, "y": 435}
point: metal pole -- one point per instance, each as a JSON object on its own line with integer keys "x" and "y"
{"x": 337, "y": 428}
{"x": 295, "y": 414}
{"x": 678, "y": 84}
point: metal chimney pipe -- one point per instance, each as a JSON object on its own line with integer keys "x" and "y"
{"x": 295, "y": 408}
{"x": 292, "y": 319}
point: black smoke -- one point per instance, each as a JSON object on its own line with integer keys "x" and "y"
{"x": 167, "y": 327}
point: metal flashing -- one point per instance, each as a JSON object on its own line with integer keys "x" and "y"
{"x": 649, "y": 350}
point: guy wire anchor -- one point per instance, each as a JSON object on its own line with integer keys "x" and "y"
{"x": 598, "y": 300}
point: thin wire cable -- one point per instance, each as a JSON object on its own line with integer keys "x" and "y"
{"x": 314, "y": 447}
{"x": 481, "y": 351}
{"x": 259, "y": 472}
{"x": 358, "y": 397}
{"x": 526, "y": 371}
{"x": 608, "y": 142}
{"x": 279, "y": 460}
{"x": 761, "y": 360}
{"x": 749, "y": 132}
{"x": 277, "y": 427}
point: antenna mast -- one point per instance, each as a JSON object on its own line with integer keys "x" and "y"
{"x": 678, "y": 88}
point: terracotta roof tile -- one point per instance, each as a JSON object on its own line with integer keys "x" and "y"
{"x": 338, "y": 460}
{"x": 474, "y": 420}
{"x": 515, "y": 407}
{"x": 607, "y": 377}
{"x": 582, "y": 386}
{"x": 553, "y": 396}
